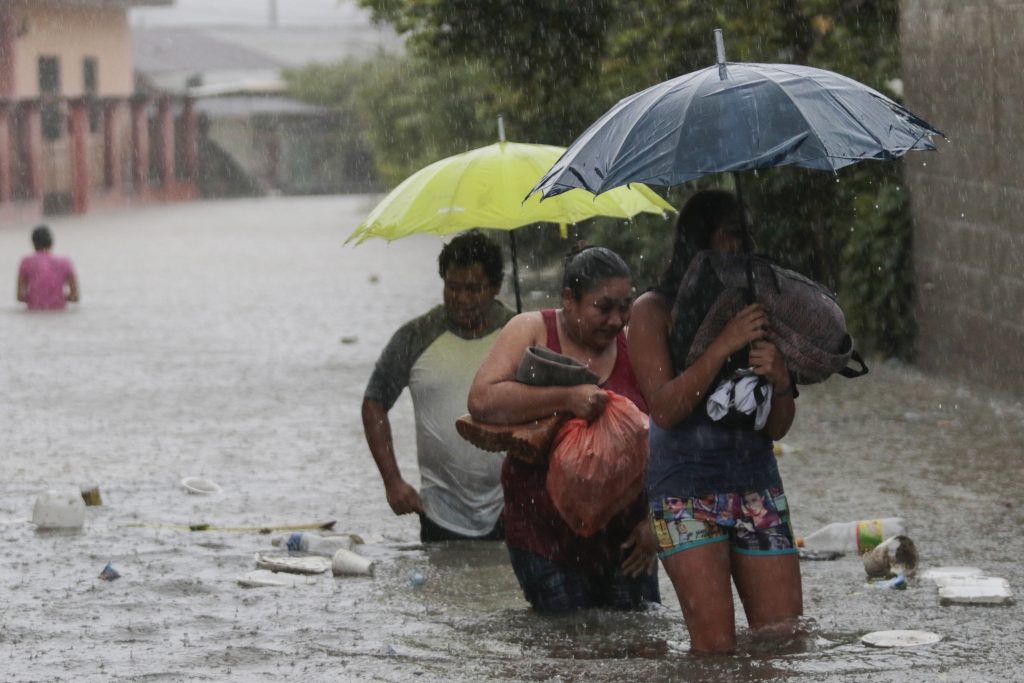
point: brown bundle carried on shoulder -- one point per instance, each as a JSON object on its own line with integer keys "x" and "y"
{"x": 596, "y": 470}
{"x": 530, "y": 441}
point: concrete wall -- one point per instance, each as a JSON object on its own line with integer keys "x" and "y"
{"x": 72, "y": 33}
{"x": 963, "y": 70}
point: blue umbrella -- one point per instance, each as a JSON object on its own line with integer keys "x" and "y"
{"x": 736, "y": 116}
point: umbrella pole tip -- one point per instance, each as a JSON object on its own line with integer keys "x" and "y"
{"x": 720, "y": 46}
{"x": 501, "y": 128}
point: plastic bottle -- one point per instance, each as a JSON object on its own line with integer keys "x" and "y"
{"x": 313, "y": 544}
{"x": 417, "y": 578}
{"x": 846, "y": 537}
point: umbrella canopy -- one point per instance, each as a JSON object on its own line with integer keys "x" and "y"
{"x": 484, "y": 188}
{"x": 736, "y": 117}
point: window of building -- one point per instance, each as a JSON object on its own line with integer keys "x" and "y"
{"x": 90, "y": 81}
{"x": 49, "y": 92}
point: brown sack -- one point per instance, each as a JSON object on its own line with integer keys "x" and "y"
{"x": 529, "y": 442}
{"x": 596, "y": 470}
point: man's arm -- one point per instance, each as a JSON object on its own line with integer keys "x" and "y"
{"x": 22, "y": 288}
{"x": 402, "y": 497}
{"x": 72, "y": 287}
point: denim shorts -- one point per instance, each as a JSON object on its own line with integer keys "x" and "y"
{"x": 697, "y": 457}
{"x": 753, "y": 522}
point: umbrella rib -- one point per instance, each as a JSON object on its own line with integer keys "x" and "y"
{"x": 797, "y": 106}
{"x": 841, "y": 104}
{"x": 646, "y": 109}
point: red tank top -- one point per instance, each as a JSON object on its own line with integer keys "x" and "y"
{"x": 531, "y": 521}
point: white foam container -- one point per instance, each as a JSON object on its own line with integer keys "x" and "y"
{"x": 936, "y": 574}
{"x": 200, "y": 486}
{"x": 977, "y": 581}
{"x": 986, "y": 590}
{"x": 59, "y": 509}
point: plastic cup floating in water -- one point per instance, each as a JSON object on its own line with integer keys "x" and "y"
{"x": 348, "y": 563}
{"x": 59, "y": 509}
{"x": 200, "y": 486}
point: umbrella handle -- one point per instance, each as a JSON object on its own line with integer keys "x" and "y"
{"x": 515, "y": 270}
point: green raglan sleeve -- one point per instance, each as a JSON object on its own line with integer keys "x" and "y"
{"x": 391, "y": 373}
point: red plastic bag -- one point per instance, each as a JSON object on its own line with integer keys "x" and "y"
{"x": 596, "y": 470}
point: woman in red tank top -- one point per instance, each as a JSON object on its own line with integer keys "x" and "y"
{"x": 557, "y": 569}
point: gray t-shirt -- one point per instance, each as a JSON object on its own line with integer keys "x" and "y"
{"x": 461, "y": 484}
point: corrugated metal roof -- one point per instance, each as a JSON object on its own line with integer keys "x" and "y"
{"x": 299, "y": 46}
{"x": 120, "y": 3}
{"x": 192, "y": 50}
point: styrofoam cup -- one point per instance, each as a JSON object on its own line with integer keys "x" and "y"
{"x": 348, "y": 563}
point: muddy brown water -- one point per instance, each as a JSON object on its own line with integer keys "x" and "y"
{"x": 232, "y": 340}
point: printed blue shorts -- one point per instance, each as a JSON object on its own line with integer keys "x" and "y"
{"x": 754, "y": 522}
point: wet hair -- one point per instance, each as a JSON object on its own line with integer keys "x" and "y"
{"x": 473, "y": 247}
{"x": 704, "y": 213}
{"x": 588, "y": 266}
{"x": 42, "y": 238}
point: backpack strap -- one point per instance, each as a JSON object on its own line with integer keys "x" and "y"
{"x": 849, "y": 372}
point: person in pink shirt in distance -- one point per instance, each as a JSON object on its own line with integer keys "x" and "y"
{"x": 46, "y": 282}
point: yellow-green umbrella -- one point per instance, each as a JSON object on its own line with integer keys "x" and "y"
{"x": 485, "y": 188}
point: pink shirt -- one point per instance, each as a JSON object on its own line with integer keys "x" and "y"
{"x": 45, "y": 276}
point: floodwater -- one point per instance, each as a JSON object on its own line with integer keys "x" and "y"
{"x": 232, "y": 340}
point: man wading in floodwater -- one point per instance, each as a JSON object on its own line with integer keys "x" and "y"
{"x": 46, "y": 282}
{"x": 436, "y": 355}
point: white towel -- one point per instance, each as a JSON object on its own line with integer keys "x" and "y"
{"x": 748, "y": 395}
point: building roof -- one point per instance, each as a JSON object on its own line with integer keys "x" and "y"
{"x": 298, "y": 46}
{"x": 126, "y": 4}
{"x": 194, "y": 13}
{"x": 193, "y": 50}
{"x": 173, "y": 58}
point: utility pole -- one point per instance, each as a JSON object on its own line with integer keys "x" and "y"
{"x": 273, "y": 13}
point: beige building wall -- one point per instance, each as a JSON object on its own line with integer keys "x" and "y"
{"x": 963, "y": 70}
{"x": 72, "y": 32}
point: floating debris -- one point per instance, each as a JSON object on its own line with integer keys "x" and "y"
{"x": 264, "y": 578}
{"x": 894, "y": 556}
{"x": 109, "y": 573}
{"x": 900, "y": 638}
{"x": 309, "y": 564}
{"x": 937, "y": 574}
{"x": 91, "y": 496}
{"x": 898, "y": 582}
{"x": 59, "y": 509}
{"x": 200, "y": 486}
{"x": 347, "y": 563}
{"x": 976, "y": 590}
